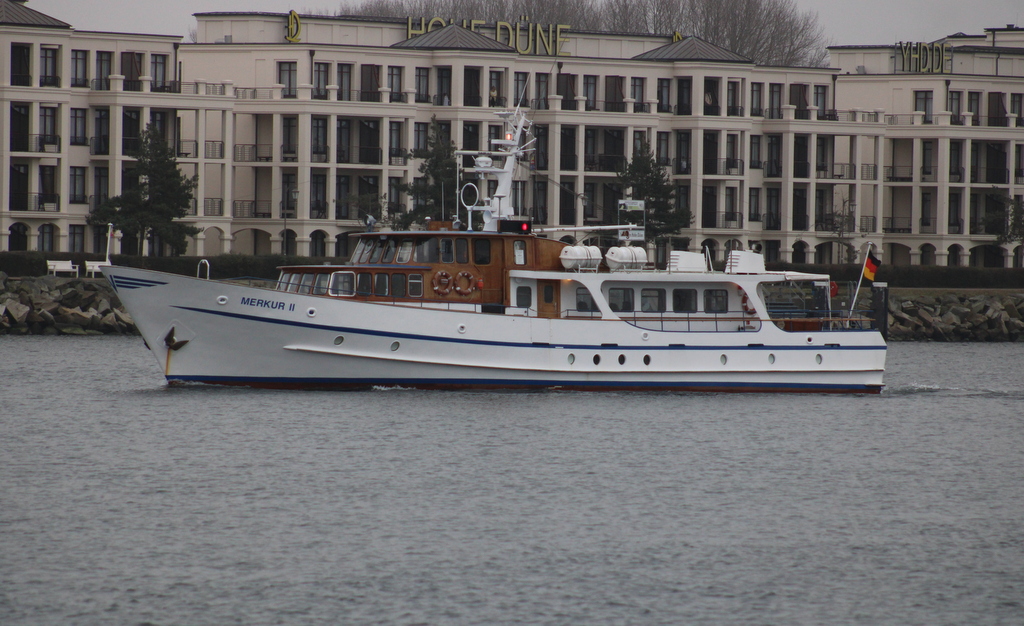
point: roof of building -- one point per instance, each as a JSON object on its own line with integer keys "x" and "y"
{"x": 453, "y": 37}
{"x": 17, "y": 14}
{"x": 692, "y": 49}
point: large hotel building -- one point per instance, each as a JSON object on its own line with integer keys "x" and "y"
{"x": 288, "y": 120}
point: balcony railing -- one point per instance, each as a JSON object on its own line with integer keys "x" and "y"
{"x": 420, "y": 98}
{"x": 99, "y": 145}
{"x": 641, "y": 107}
{"x": 568, "y": 162}
{"x": 802, "y": 114}
{"x": 721, "y": 219}
{"x": 165, "y": 86}
{"x": 869, "y": 171}
{"x": 252, "y": 152}
{"x": 868, "y": 224}
{"x": 44, "y": 143}
{"x": 832, "y": 223}
{"x": 342, "y": 210}
{"x": 213, "y": 207}
{"x": 896, "y": 225}
{"x": 21, "y": 80}
{"x": 899, "y": 173}
{"x": 318, "y": 209}
{"x": 956, "y": 174}
{"x": 254, "y": 209}
{"x": 289, "y": 152}
{"x": 78, "y": 141}
{"x": 190, "y": 210}
{"x": 772, "y": 169}
{"x": 214, "y": 150}
{"x": 472, "y": 100}
{"x": 684, "y": 109}
{"x": 49, "y": 81}
{"x": 929, "y": 174}
{"x": 927, "y": 226}
{"x": 723, "y": 167}
{"x": 370, "y": 155}
{"x": 78, "y": 198}
{"x": 369, "y": 96}
{"x": 844, "y": 171}
{"x": 681, "y": 166}
{"x": 800, "y": 221}
{"x": 101, "y": 84}
{"x": 48, "y": 202}
{"x": 955, "y": 226}
{"x": 130, "y": 145}
{"x": 615, "y": 106}
{"x": 343, "y": 155}
{"x": 1018, "y": 177}
{"x": 734, "y": 111}
{"x": 443, "y": 100}
{"x": 398, "y": 157}
{"x": 258, "y": 93}
{"x": 771, "y": 221}
{"x": 801, "y": 169}
{"x": 320, "y": 153}
{"x": 603, "y": 162}
{"x": 318, "y": 93}
{"x": 188, "y": 149}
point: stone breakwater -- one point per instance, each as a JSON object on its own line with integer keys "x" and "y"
{"x": 47, "y": 305}
{"x": 953, "y": 317}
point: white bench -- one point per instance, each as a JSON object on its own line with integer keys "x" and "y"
{"x": 57, "y": 267}
{"x": 94, "y": 267}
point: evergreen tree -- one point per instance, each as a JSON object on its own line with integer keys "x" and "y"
{"x": 435, "y": 189}
{"x": 643, "y": 179}
{"x": 154, "y": 195}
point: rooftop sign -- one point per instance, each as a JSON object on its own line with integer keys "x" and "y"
{"x": 526, "y": 37}
{"x": 925, "y": 58}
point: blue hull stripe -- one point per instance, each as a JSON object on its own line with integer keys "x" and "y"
{"x": 509, "y": 344}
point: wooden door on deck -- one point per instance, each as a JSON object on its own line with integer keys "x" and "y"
{"x": 547, "y": 298}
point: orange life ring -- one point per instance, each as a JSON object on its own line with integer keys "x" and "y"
{"x": 442, "y": 283}
{"x": 747, "y": 307}
{"x": 470, "y": 283}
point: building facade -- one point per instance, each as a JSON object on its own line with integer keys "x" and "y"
{"x": 298, "y": 125}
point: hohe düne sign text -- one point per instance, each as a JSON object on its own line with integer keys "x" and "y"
{"x": 526, "y": 37}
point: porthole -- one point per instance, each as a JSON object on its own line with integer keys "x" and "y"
{"x": 647, "y": 359}
{"x": 339, "y": 340}
{"x": 222, "y": 299}
{"x": 394, "y": 346}
{"x": 771, "y": 359}
{"x": 810, "y": 340}
{"x": 571, "y": 358}
{"x": 462, "y": 328}
{"x": 645, "y": 336}
{"x": 597, "y": 359}
{"x": 311, "y": 312}
{"x": 622, "y": 359}
{"x": 724, "y": 359}
{"x": 817, "y": 358}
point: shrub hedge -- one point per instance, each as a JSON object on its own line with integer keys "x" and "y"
{"x": 240, "y": 265}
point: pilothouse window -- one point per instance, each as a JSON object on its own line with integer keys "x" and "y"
{"x": 343, "y": 284}
{"x": 426, "y": 250}
{"x": 405, "y": 251}
{"x": 320, "y": 286}
{"x": 447, "y": 250}
{"x": 389, "y": 251}
{"x": 519, "y": 252}
{"x": 481, "y": 251}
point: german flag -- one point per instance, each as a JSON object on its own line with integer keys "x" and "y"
{"x": 870, "y": 267}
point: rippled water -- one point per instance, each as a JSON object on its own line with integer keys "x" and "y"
{"x": 123, "y": 501}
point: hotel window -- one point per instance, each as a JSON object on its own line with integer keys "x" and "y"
{"x": 46, "y": 232}
{"x": 590, "y": 92}
{"x": 636, "y": 90}
{"x": 287, "y": 73}
{"x": 774, "y": 101}
{"x": 682, "y": 198}
{"x": 955, "y": 103}
{"x": 341, "y": 193}
{"x": 422, "y": 84}
{"x": 662, "y": 148}
{"x": 711, "y": 104}
{"x": 395, "y": 83}
{"x": 732, "y": 98}
{"x": 754, "y": 205}
{"x": 420, "y": 132}
{"x": 76, "y": 238}
{"x": 757, "y": 99}
{"x": 542, "y": 91}
{"x": 76, "y": 185}
{"x": 520, "y": 81}
{"x": 684, "y": 96}
{"x": 639, "y": 139}
{"x": 730, "y": 205}
{"x": 21, "y": 74}
{"x": 104, "y": 67}
{"x": 158, "y": 71}
{"x": 48, "y": 126}
{"x": 664, "y": 95}
{"x": 821, "y": 100}
{"x": 974, "y": 106}
{"x": 923, "y": 103}
{"x": 48, "y": 75}
{"x": 495, "y": 88}
{"x": 79, "y": 135}
{"x": 444, "y": 86}
{"x": 755, "y": 151}
{"x": 131, "y": 68}
{"x": 321, "y": 76}
{"x": 79, "y": 68}
{"x": 1017, "y": 107}
{"x": 344, "y": 81}
{"x": 289, "y": 138}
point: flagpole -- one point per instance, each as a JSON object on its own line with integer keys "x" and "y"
{"x": 867, "y": 255}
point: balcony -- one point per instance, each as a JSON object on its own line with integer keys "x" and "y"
{"x": 78, "y": 198}
{"x": 289, "y": 152}
{"x": 772, "y": 169}
{"x": 1018, "y": 177}
{"x": 896, "y": 225}
{"x": 320, "y": 153}
{"x": 756, "y": 111}
{"x": 96, "y": 201}
{"x": 641, "y": 107}
{"x": 568, "y": 162}
{"x": 829, "y": 115}
{"x": 664, "y": 107}
{"x": 101, "y": 84}
{"x": 43, "y": 202}
{"x": 343, "y": 155}
{"x": 21, "y": 80}
{"x": 988, "y": 224}
{"x": 868, "y": 224}
{"x": 213, "y": 207}
{"x": 723, "y": 167}
{"x": 342, "y": 210}
{"x": 956, "y": 174}
{"x": 252, "y": 152}
{"x": 318, "y": 93}
{"x": 615, "y": 106}
{"x": 802, "y": 114}
{"x": 833, "y": 223}
{"x": 681, "y": 166}
{"x": 955, "y": 226}
{"x": 369, "y": 96}
{"x": 289, "y": 92}
{"x": 190, "y": 210}
{"x": 49, "y": 81}
{"x": 44, "y": 143}
{"x": 927, "y": 226}
{"x": 188, "y": 149}
{"x": 370, "y": 155}
{"x": 772, "y": 113}
{"x": 397, "y": 96}
{"x": 800, "y": 221}
{"x": 869, "y": 171}
{"x": 443, "y": 100}
{"x": 254, "y": 209}
{"x": 604, "y": 162}
{"x": 472, "y": 100}
{"x": 929, "y": 174}
{"x": 684, "y": 109}
{"x": 165, "y": 86}
{"x": 734, "y": 111}
{"x": 398, "y": 157}
{"x": 840, "y": 171}
{"x": 261, "y": 93}
{"x": 214, "y": 150}
{"x": 130, "y": 145}
{"x": 722, "y": 219}
{"x": 318, "y": 209}
{"x": 801, "y": 169}
{"x": 899, "y": 173}
{"x": 99, "y": 145}
{"x": 78, "y": 141}
{"x": 78, "y": 81}
{"x": 771, "y": 221}
{"x": 420, "y": 98}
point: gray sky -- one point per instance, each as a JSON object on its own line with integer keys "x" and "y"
{"x": 845, "y": 21}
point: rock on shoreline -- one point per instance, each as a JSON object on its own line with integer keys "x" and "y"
{"x": 49, "y": 305}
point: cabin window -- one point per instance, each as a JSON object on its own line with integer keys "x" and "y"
{"x": 620, "y": 299}
{"x": 293, "y": 286}
{"x": 405, "y": 251}
{"x": 306, "y": 283}
{"x": 380, "y": 285}
{"x": 320, "y": 286}
{"x": 447, "y": 250}
{"x": 398, "y": 285}
{"x": 652, "y": 300}
{"x": 426, "y": 250}
{"x": 584, "y": 300}
{"x": 549, "y": 294}
{"x": 364, "y": 283}
{"x": 716, "y": 301}
{"x": 684, "y": 300}
{"x": 461, "y": 251}
{"x": 378, "y": 248}
{"x": 282, "y": 283}
{"x": 519, "y": 252}
{"x": 481, "y": 251}
{"x": 524, "y": 297}
{"x": 343, "y": 284}
{"x": 389, "y": 251}
{"x": 359, "y": 255}
{"x": 415, "y": 285}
